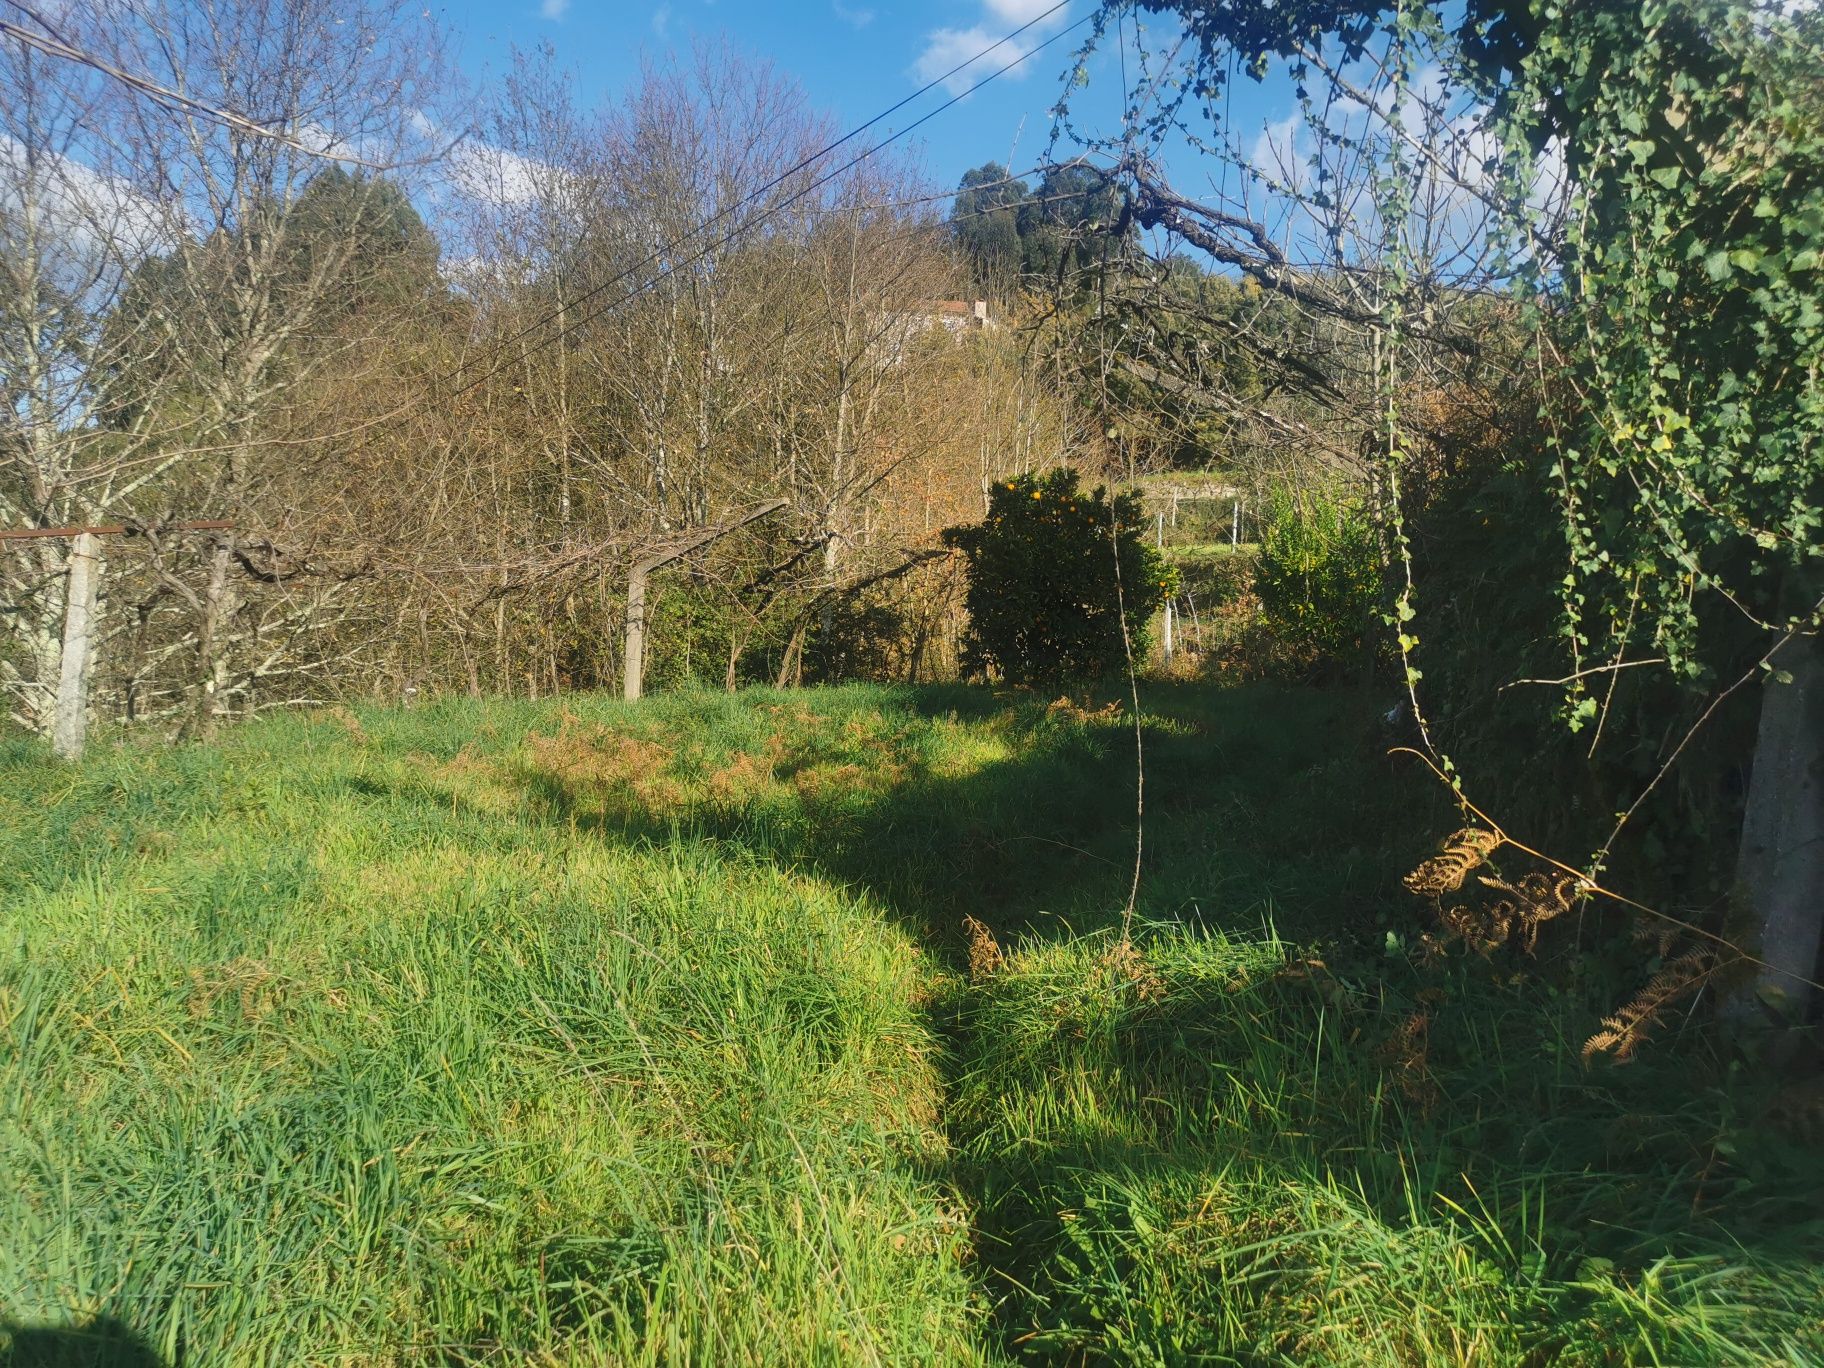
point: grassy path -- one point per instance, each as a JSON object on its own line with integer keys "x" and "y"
{"x": 568, "y": 1034}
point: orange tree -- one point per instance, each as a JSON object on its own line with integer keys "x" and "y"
{"x": 1052, "y": 573}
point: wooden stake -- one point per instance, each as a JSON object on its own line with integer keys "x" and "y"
{"x": 633, "y": 667}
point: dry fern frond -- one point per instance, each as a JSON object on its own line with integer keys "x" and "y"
{"x": 1463, "y": 851}
{"x": 1624, "y": 1033}
{"x": 1485, "y": 929}
{"x": 251, "y": 984}
{"x": 985, "y": 955}
{"x": 1533, "y": 901}
{"x": 1406, "y": 1053}
{"x": 1661, "y": 936}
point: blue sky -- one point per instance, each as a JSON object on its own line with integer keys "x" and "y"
{"x": 853, "y": 58}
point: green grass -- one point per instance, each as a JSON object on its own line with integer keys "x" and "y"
{"x": 1197, "y": 552}
{"x": 573, "y": 1033}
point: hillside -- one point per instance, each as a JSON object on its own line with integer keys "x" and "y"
{"x": 575, "y": 1033}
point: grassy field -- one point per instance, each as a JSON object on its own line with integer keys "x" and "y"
{"x": 571, "y": 1033}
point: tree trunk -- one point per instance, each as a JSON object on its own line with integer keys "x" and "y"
{"x": 794, "y": 653}
{"x": 918, "y": 648}
{"x": 70, "y": 726}
{"x": 736, "y": 646}
{"x": 634, "y": 668}
{"x": 44, "y": 650}
{"x": 1780, "y": 874}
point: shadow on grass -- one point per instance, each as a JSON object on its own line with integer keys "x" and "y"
{"x": 1260, "y": 806}
{"x": 102, "y": 1343}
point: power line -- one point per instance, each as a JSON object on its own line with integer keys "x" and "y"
{"x": 659, "y": 253}
{"x": 55, "y": 46}
{"x": 877, "y": 205}
{"x": 52, "y": 44}
{"x": 726, "y": 238}
{"x": 406, "y": 407}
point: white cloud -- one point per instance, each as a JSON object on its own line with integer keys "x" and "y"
{"x": 661, "y": 20}
{"x": 1280, "y": 150}
{"x": 956, "y": 53}
{"x": 493, "y": 175}
{"x": 854, "y": 18}
{"x": 554, "y": 9}
{"x": 948, "y": 52}
{"x": 1018, "y": 11}
{"x": 90, "y": 212}
{"x": 324, "y": 142}
{"x": 1455, "y": 168}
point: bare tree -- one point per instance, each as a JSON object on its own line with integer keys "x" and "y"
{"x": 272, "y": 252}
{"x": 71, "y": 229}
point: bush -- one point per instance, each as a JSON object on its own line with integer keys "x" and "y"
{"x": 1044, "y": 600}
{"x": 1318, "y": 575}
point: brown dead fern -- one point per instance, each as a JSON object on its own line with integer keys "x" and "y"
{"x": 1069, "y": 710}
{"x": 985, "y": 955}
{"x": 1484, "y": 929}
{"x": 1657, "y": 936}
{"x": 1533, "y": 899}
{"x": 1531, "y": 902}
{"x": 1464, "y": 851}
{"x": 249, "y": 981}
{"x": 1406, "y": 1054}
{"x": 1623, "y": 1034}
{"x": 1126, "y": 963}
{"x": 1525, "y": 905}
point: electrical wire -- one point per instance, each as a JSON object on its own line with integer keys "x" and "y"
{"x": 771, "y": 213}
{"x": 53, "y": 44}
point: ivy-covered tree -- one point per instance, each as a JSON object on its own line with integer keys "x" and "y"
{"x": 1678, "y": 315}
{"x": 1691, "y": 460}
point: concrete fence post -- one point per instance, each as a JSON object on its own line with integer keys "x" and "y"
{"x": 70, "y": 725}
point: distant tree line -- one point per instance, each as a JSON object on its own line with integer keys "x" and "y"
{"x": 449, "y": 390}
{"x": 1014, "y": 235}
